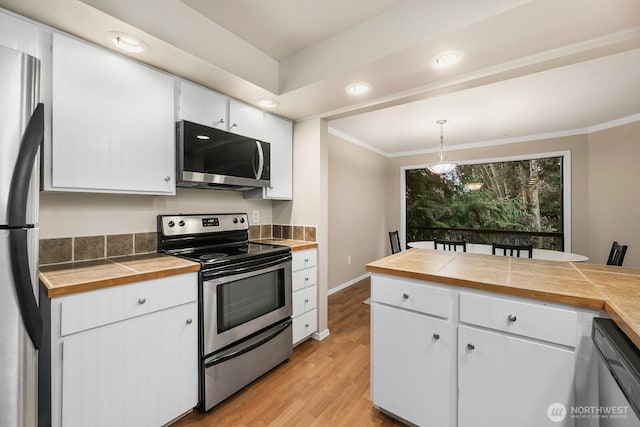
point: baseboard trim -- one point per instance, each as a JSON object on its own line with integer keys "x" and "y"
{"x": 319, "y": 336}
{"x": 347, "y": 284}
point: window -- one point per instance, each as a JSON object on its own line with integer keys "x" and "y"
{"x": 514, "y": 201}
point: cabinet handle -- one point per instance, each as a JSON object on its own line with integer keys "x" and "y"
{"x": 221, "y": 121}
{"x": 306, "y": 300}
{"x": 470, "y": 346}
{"x": 306, "y": 260}
{"x": 405, "y": 296}
{"x": 306, "y": 279}
{"x": 436, "y": 336}
{"x": 189, "y": 321}
{"x": 167, "y": 178}
{"x": 512, "y": 318}
{"x": 234, "y": 125}
{"x": 306, "y": 325}
{"x": 142, "y": 300}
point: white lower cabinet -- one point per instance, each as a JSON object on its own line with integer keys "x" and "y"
{"x": 411, "y": 367}
{"x": 137, "y": 369}
{"x": 305, "y": 293}
{"x": 508, "y": 381}
{"x": 515, "y": 361}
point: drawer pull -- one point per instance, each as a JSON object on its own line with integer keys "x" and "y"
{"x": 512, "y": 318}
{"x": 436, "y": 336}
{"x": 470, "y": 346}
{"x": 405, "y": 296}
{"x": 306, "y": 279}
{"x": 306, "y": 260}
{"x": 189, "y": 321}
{"x": 306, "y": 300}
{"x": 306, "y": 325}
{"x": 142, "y": 300}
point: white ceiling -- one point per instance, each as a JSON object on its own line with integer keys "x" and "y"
{"x": 539, "y": 67}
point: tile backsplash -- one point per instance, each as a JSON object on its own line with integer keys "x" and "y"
{"x": 71, "y": 249}
{"x": 278, "y": 231}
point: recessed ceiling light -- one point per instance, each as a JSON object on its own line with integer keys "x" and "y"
{"x": 126, "y": 42}
{"x": 267, "y": 103}
{"x": 358, "y": 88}
{"x": 446, "y": 59}
{"x": 202, "y": 137}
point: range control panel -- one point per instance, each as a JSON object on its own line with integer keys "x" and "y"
{"x": 176, "y": 225}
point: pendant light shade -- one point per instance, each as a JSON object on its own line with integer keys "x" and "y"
{"x": 441, "y": 167}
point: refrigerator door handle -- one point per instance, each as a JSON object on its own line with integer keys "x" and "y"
{"x": 18, "y": 194}
{"x": 19, "y": 189}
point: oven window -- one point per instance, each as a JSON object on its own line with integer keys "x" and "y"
{"x": 249, "y": 298}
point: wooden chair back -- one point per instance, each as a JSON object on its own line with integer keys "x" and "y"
{"x": 510, "y": 250}
{"x": 616, "y": 255}
{"x": 394, "y": 239}
{"x": 450, "y": 244}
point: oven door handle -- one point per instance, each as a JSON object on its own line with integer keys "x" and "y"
{"x": 236, "y": 271}
{"x": 248, "y": 345}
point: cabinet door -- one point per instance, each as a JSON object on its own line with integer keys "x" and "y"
{"x": 246, "y": 120}
{"x": 203, "y": 106}
{"x": 507, "y": 381}
{"x": 279, "y": 133}
{"x": 112, "y": 128}
{"x": 140, "y": 372}
{"x": 411, "y": 368}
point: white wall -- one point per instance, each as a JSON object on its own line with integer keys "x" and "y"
{"x": 87, "y": 214}
{"x": 357, "y": 200}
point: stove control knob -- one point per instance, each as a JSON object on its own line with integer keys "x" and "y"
{"x": 181, "y": 223}
{"x": 171, "y": 224}
{"x": 241, "y": 220}
{"x": 235, "y": 220}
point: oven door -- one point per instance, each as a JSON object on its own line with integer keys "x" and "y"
{"x": 242, "y": 299}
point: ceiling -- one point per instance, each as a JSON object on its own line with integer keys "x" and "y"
{"x": 531, "y": 68}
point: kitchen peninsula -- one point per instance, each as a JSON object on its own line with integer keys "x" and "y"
{"x": 466, "y": 339}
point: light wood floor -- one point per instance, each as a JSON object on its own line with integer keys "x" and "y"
{"x": 324, "y": 383}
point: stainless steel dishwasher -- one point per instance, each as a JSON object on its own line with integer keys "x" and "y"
{"x": 618, "y": 376}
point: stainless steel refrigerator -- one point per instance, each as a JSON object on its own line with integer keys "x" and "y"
{"x": 21, "y": 326}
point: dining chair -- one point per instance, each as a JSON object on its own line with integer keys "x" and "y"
{"x": 394, "y": 238}
{"x": 450, "y": 244}
{"x": 512, "y": 249}
{"x": 616, "y": 255}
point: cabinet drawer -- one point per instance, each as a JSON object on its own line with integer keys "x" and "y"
{"x": 304, "y": 278}
{"x": 96, "y": 308}
{"x": 305, "y": 325}
{"x": 411, "y": 296}
{"x": 527, "y": 319}
{"x": 304, "y": 259}
{"x": 304, "y": 300}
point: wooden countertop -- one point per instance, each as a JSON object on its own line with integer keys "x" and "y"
{"x": 615, "y": 290}
{"x": 295, "y": 245}
{"x": 70, "y": 278}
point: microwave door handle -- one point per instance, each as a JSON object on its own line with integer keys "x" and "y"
{"x": 260, "y": 160}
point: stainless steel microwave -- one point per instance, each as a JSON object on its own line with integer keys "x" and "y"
{"x": 215, "y": 159}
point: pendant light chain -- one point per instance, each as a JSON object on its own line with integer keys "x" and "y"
{"x": 441, "y": 123}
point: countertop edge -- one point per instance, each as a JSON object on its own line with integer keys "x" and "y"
{"x": 134, "y": 276}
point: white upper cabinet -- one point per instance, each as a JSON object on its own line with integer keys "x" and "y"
{"x": 203, "y": 106}
{"x": 112, "y": 124}
{"x": 279, "y": 134}
{"x": 246, "y": 120}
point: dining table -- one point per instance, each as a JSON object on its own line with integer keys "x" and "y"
{"x": 478, "y": 248}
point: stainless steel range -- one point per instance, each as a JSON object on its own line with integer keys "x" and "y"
{"x": 244, "y": 299}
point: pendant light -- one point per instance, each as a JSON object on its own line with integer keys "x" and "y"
{"x": 441, "y": 167}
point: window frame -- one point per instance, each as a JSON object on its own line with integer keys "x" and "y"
{"x": 566, "y": 188}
